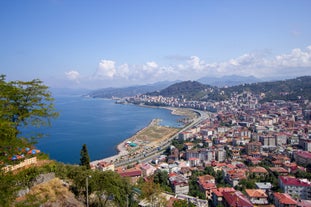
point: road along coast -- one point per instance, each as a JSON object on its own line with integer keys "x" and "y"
{"x": 147, "y": 140}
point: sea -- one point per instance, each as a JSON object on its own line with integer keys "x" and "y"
{"x": 101, "y": 124}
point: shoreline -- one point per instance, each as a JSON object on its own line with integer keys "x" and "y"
{"x": 121, "y": 147}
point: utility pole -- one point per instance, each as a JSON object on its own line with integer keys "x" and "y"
{"x": 87, "y": 190}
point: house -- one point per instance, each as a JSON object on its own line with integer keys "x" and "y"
{"x": 188, "y": 145}
{"x": 207, "y": 184}
{"x": 258, "y": 171}
{"x": 217, "y": 195}
{"x": 104, "y": 166}
{"x": 295, "y": 187}
{"x": 257, "y": 196}
{"x": 133, "y": 173}
{"x": 185, "y": 171}
{"x": 279, "y": 170}
{"x": 179, "y": 184}
{"x": 233, "y": 177}
{"x": 264, "y": 186}
{"x": 283, "y": 200}
{"x": 147, "y": 169}
{"x": 236, "y": 199}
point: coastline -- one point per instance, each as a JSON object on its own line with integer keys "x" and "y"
{"x": 124, "y": 152}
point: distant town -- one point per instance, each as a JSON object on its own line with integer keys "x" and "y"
{"x": 245, "y": 153}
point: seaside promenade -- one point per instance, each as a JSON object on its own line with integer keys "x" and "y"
{"x": 124, "y": 158}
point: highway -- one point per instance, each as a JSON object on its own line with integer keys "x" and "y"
{"x": 155, "y": 152}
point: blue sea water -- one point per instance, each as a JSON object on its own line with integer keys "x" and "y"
{"x": 99, "y": 123}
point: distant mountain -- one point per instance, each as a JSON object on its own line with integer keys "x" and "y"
{"x": 129, "y": 91}
{"x": 232, "y": 80}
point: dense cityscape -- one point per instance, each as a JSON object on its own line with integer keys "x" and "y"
{"x": 246, "y": 154}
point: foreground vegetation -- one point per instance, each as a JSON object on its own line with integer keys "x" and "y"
{"x": 101, "y": 185}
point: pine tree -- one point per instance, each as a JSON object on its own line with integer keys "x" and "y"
{"x": 84, "y": 157}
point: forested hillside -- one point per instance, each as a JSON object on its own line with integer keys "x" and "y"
{"x": 292, "y": 89}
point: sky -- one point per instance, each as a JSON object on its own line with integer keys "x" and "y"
{"x": 113, "y": 43}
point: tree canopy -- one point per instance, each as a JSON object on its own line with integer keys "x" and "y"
{"x": 24, "y": 103}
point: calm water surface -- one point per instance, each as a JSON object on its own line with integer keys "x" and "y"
{"x": 99, "y": 123}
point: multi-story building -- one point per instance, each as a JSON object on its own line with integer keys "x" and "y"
{"x": 281, "y": 139}
{"x": 305, "y": 144}
{"x": 296, "y": 188}
{"x": 179, "y": 184}
{"x": 302, "y": 157}
{"x": 253, "y": 147}
{"x": 207, "y": 184}
{"x": 220, "y": 153}
{"x": 267, "y": 141}
{"x": 203, "y": 155}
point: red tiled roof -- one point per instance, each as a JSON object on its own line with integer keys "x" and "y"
{"x": 219, "y": 192}
{"x": 304, "y": 154}
{"x": 287, "y": 180}
{"x": 258, "y": 169}
{"x": 207, "y": 186}
{"x": 172, "y": 174}
{"x": 236, "y": 199}
{"x": 284, "y": 198}
{"x": 278, "y": 169}
{"x": 133, "y": 173}
{"x": 256, "y": 193}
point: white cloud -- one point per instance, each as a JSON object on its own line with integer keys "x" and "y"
{"x": 297, "y": 58}
{"x": 260, "y": 64}
{"x": 196, "y": 63}
{"x": 152, "y": 64}
{"x": 106, "y": 69}
{"x": 73, "y": 75}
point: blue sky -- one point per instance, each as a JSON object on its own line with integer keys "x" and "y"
{"x": 95, "y": 44}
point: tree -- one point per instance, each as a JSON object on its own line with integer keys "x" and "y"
{"x": 22, "y": 104}
{"x": 84, "y": 157}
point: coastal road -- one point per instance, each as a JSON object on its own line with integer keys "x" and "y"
{"x": 157, "y": 151}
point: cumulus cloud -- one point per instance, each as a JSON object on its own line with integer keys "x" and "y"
{"x": 297, "y": 58}
{"x": 152, "y": 64}
{"x": 72, "y": 75}
{"x": 196, "y": 63}
{"x": 106, "y": 69}
{"x": 260, "y": 64}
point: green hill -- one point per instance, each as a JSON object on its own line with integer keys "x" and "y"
{"x": 292, "y": 89}
{"x": 190, "y": 90}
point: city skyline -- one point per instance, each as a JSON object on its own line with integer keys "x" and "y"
{"x": 98, "y": 44}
